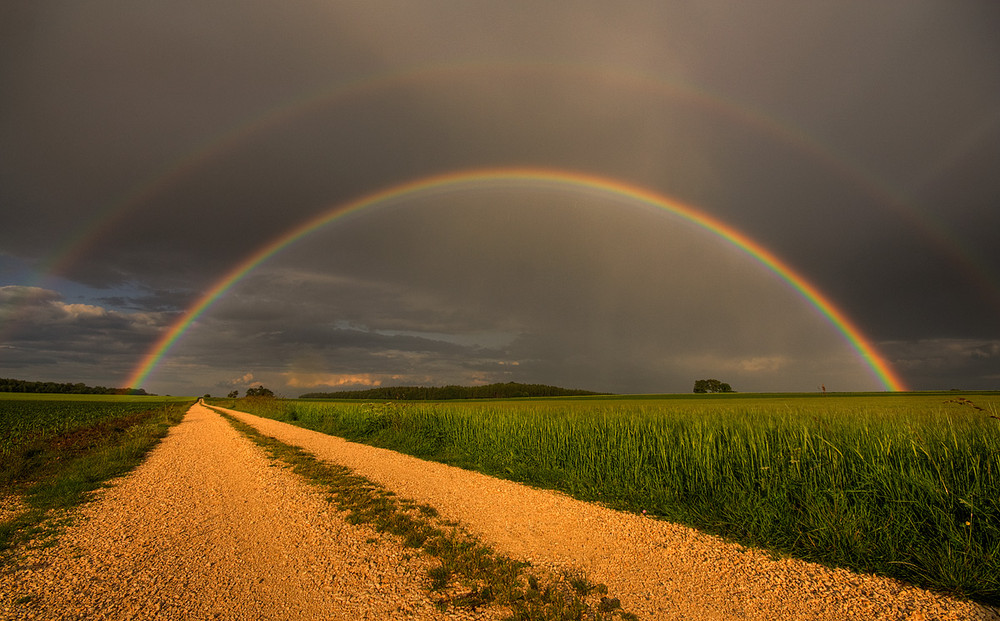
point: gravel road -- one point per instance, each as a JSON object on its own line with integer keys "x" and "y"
{"x": 208, "y": 528}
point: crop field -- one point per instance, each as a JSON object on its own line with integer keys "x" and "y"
{"x": 54, "y": 449}
{"x": 29, "y": 418}
{"x": 903, "y": 485}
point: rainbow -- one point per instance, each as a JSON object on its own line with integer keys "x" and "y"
{"x": 491, "y": 177}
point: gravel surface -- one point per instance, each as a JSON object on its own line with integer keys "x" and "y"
{"x": 209, "y": 528}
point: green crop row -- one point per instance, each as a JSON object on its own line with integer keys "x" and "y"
{"x": 906, "y": 486}
{"x": 26, "y": 421}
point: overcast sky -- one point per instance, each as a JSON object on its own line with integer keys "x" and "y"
{"x": 147, "y": 149}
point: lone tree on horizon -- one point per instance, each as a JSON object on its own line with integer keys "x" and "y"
{"x": 711, "y": 385}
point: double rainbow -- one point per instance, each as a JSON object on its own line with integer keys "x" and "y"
{"x": 425, "y": 76}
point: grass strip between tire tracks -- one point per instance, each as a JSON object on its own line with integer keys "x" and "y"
{"x": 470, "y": 575}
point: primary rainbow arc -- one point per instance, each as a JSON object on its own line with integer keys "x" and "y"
{"x": 544, "y": 176}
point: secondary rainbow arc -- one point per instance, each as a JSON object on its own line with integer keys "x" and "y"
{"x": 552, "y": 177}
{"x": 172, "y": 170}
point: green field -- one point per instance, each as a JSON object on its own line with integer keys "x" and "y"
{"x": 34, "y": 396}
{"x": 904, "y": 485}
{"x": 29, "y": 418}
{"x": 54, "y": 449}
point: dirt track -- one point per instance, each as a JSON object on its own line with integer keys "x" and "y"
{"x": 208, "y": 528}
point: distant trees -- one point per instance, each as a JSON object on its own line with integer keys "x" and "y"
{"x": 259, "y": 391}
{"x": 510, "y": 390}
{"x": 233, "y": 394}
{"x": 16, "y": 385}
{"x": 711, "y": 385}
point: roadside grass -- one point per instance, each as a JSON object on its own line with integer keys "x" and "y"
{"x": 469, "y": 575}
{"x": 900, "y": 485}
{"x": 47, "y": 473}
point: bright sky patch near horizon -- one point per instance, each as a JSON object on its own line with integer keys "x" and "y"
{"x": 146, "y": 151}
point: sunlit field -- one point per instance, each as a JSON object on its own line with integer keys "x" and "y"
{"x": 905, "y": 485}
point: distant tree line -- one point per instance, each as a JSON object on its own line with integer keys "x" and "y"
{"x": 16, "y": 385}
{"x": 442, "y": 393}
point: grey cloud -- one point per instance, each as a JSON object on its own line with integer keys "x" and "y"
{"x": 48, "y": 338}
{"x": 971, "y": 364}
{"x": 33, "y": 313}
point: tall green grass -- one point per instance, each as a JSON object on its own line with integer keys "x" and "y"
{"x": 905, "y": 486}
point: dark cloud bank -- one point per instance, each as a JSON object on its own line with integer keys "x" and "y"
{"x": 859, "y": 144}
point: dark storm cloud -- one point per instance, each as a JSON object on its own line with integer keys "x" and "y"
{"x": 45, "y": 336}
{"x": 43, "y": 315}
{"x": 968, "y": 364}
{"x": 857, "y": 143}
